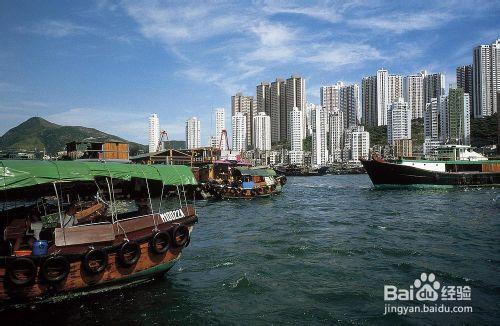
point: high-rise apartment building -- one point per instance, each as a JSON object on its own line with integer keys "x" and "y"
{"x": 295, "y": 97}
{"x": 319, "y": 118}
{"x": 349, "y": 104}
{"x": 486, "y": 78}
{"x": 212, "y": 142}
{"x": 498, "y": 122}
{"x": 431, "y": 120}
{"x": 403, "y": 148}
{"x": 239, "y": 127}
{"x": 434, "y": 86}
{"x": 357, "y": 143}
{"x": 466, "y": 123}
{"x": 443, "y": 119}
{"x": 264, "y": 98}
{"x": 307, "y": 113}
{"x": 395, "y": 88}
{"x": 382, "y": 96}
{"x": 432, "y": 130}
{"x": 458, "y": 117}
{"x": 330, "y": 97}
{"x": 154, "y": 132}
{"x": 246, "y": 106}
{"x": 369, "y": 115}
{"x": 398, "y": 121}
{"x": 464, "y": 81}
{"x": 262, "y": 132}
{"x": 345, "y": 98}
{"x": 375, "y": 98}
{"x": 296, "y": 120}
{"x": 278, "y": 111}
{"x": 413, "y": 91}
{"x": 336, "y": 131}
{"x": 220, "y": 124}
{"x": 193, "y": 131}
{"x": 454, "y": 116}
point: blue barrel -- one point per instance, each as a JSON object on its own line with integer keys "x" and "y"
{"x": 40, "y": 248}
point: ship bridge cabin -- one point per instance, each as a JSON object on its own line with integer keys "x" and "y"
{"x": 458, "y": 153}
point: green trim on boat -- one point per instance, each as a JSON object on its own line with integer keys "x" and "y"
{"x": 452, "y": 162}
{"x": 26, "y": 173}
{"x": 261, "y": 172}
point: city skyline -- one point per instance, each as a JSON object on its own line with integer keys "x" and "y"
{"x": 154, "y": 62}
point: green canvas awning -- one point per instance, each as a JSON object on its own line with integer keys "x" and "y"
{"x": 261, "y": 172}
{"x": 26, "y": 173}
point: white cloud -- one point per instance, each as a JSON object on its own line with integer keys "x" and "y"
{"x": 402, "y": 22}
{"x": 229, "y": 84}
{"x": 327, "y": 11}
{"x": 275, "y": 42}
{"x": 57, "y": 28}
{"x": 337, "y": 55}
{"x": 184, "y": 23}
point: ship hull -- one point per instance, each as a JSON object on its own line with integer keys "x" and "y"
{"x": 388, "y": 174}
{"x": 79, "y": 280}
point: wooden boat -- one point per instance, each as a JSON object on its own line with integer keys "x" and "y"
{"x": 81, "y": 241}
{"x": 247, "y": 183}
{"x": 294, "y": 170}
{"x": 454, "y": 165}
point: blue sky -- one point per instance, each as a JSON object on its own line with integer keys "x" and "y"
{"x": 108, "y": 64}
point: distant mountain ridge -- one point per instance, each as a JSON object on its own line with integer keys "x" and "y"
{"x": 38, "y": 133}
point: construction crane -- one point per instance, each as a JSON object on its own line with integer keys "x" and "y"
{"x": 162, "y": 133}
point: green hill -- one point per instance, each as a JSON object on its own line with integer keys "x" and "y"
{"x": 37, "y": 134}
{"x": 483, "y": 132}
{"x": 378, "y": 135}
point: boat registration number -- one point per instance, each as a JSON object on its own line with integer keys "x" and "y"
{"x": 172, "y": 215}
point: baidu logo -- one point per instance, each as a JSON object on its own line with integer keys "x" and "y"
{"x": 426, "y": 290}
{"x": 427, "y": 287}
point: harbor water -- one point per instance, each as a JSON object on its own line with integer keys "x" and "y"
{"x": 319, "y": 253}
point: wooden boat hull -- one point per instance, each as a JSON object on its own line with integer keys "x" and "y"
{"x": 246, "y": 195}
{"x": 385, "y": 173}
{"x": 224, "y": 192}
{"x": 302, "y": 172}
{"x": 78, "y": 279}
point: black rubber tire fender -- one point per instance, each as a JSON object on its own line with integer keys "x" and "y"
{"x": 95, "y": 255}
{"x": 21, "y": 263}
{"x": 55, "y": 264}
{"x": 126, "y": 248}
{"x": 160, "y": 238}
{"x": 180, "y": 235}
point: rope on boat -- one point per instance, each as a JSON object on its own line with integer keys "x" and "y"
{"x": 178, "y": 193}
{"x": 114, "y": 217}
{"x": 183, "y": 189}
{"x": 151, "y": 202}
{"x": 184, "y": 193}
{"x": 4, "y": 186}
{"x": 159, "y": 208}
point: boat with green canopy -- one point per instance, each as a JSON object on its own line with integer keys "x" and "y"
{"x": 246, "y": 182}
{"x": 79, "y": 225}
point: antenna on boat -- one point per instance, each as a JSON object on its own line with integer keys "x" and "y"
{"x": 60, "y": 214}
